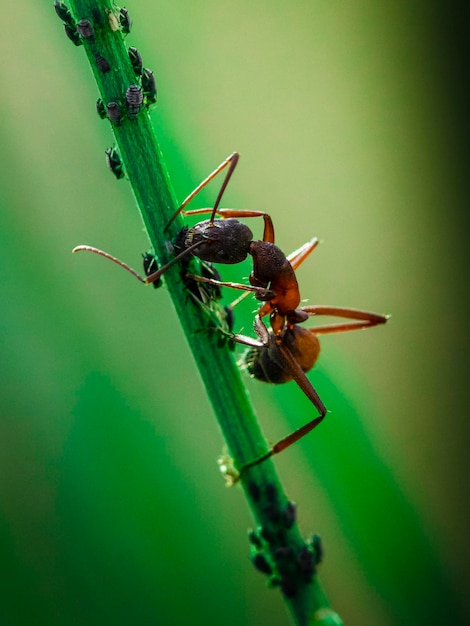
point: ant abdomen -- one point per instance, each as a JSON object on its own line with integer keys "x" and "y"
{"x": 223, "y": 241}
{"x": 269, "y": 365}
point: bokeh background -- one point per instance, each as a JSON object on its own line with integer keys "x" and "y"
{"x": 352, "y": 125}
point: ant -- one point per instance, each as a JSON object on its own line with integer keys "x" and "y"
{"x": 229, "y": 241}
{"x": 286, "y": 351}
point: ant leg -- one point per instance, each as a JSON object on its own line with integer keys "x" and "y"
{"x": 262, "y": 293}
{"x": 297, "y": 257}
{"x": 268, "y": 233}
{"x": 300, "y": 378}
{"x": 232, "y": 161}
{"x": 365, "y": 319}
{"x": 151, "y": 278}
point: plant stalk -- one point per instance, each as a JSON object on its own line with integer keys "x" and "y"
{"x": 276, "y": 545}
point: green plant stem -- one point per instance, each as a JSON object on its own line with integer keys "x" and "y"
{"x": 146, "y": 171}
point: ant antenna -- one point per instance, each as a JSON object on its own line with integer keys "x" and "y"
{"x": 108, "y": 256}
{"x": 152, "y": 277}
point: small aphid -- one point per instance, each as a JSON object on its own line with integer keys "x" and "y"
{"x": 136, "y": 60}
{"x": 268, "y": 535}
{"x": 113, "y": 111}
{"x": 102, "y": 64}
{"x": 125, "y": 21}
{"x": 261, "y": 564}
{"x": 254, "y": 539}
{"x": 85, "y": 29}
{"x": 289, "y": 514}
{"x": 114, "y": 162}
{"x": 317, "y": 547}
{"x": 150, "y": 266}
{"x": 100, "y": 108}
{"x": 306, "y": 563}
{"x": 113, "y": 21}
{"x": 72, "y": 34}
{"x": 63, "y": 12}
{"x": 149, "y": 86}
{"x": 134, "y": 99}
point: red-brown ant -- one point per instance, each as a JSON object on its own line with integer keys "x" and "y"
{"x": 286, "y": 351}
{"x": 229, "y": 241}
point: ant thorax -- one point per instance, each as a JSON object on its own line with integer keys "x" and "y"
{"x": 222, "y": 241}
{"x": 268, "y": 262}
{"x": 268, "y": 363}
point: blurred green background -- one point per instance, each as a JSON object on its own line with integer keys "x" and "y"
{"x": 350, "y": 120}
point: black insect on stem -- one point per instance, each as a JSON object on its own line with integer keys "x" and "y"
{"x": 136, "y": 61}
{"x": 100, "y": 108}
{"x": 85, "y": 30}
{"x": 113, "y": 161}
{"x": 72, "y": 34}
{"x": 149, "y": 86}
{"x": 134, "y": 99}
{"x": 64, "y": 14}
{"x": 150, "y": 265}
{"x": 113, "y": 111}
{"x": 102, "y": 64}
{"x": 125, "y": 21}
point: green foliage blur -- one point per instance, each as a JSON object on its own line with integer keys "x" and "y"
{"x": 349, "y": 120}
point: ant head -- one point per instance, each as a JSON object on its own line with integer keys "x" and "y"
{"x": 224, "y": 240}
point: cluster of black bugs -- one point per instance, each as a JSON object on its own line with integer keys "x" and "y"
{"x": 138, "y": 95}
{"x": 220, "y": 320}
{"x": 70, "y": 25}
{"x": 272, "y": 554}
{"x": 113, "y": 161}
{"x": 206, "y": 294}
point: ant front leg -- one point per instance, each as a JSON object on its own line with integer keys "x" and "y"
{"x": 231, "y": 161}
{"x": 261, "y": 293}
